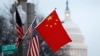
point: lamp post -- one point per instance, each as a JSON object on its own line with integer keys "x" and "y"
{"x": 20, "y": 47}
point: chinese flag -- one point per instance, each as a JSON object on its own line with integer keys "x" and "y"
{"x": 53, "y": 32}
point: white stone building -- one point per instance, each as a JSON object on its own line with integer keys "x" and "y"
{"x": 77, "y": 46}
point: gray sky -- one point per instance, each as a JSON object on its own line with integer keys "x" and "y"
{"x": 85, "y": 13}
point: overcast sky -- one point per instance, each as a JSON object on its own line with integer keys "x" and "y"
{"x": 85, "y": 13}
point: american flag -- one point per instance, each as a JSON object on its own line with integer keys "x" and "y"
{"x": 33, "y": 49}
{"x": 19, "y": 27}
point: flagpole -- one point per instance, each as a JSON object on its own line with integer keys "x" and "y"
{"x": 20, "y": 47}
{"x": 27, "y": 29}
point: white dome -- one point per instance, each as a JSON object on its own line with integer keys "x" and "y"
{"x": 77, "y": 46}
{"x": 71, "y": 27}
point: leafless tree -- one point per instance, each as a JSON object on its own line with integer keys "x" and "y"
{"x": 7, "y": 34}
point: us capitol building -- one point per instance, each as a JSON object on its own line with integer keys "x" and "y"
{"x": 77, "y": 46}
{"x": 74, "y": 48}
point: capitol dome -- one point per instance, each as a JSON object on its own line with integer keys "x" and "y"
{"x": 77, "y": 47}
{"x": 71, "y": 27}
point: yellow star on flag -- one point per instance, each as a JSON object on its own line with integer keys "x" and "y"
{"x": 49, "y": 18}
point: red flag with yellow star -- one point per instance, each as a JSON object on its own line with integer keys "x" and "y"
{"x": 53, "y": 32}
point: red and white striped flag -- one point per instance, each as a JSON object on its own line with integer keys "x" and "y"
{"x": 33, "y": 49}
{"x": 19, "y": 28}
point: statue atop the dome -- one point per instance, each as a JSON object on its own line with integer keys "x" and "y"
{"x": 19, "y": 1}
{"x": 67, "y": 8}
